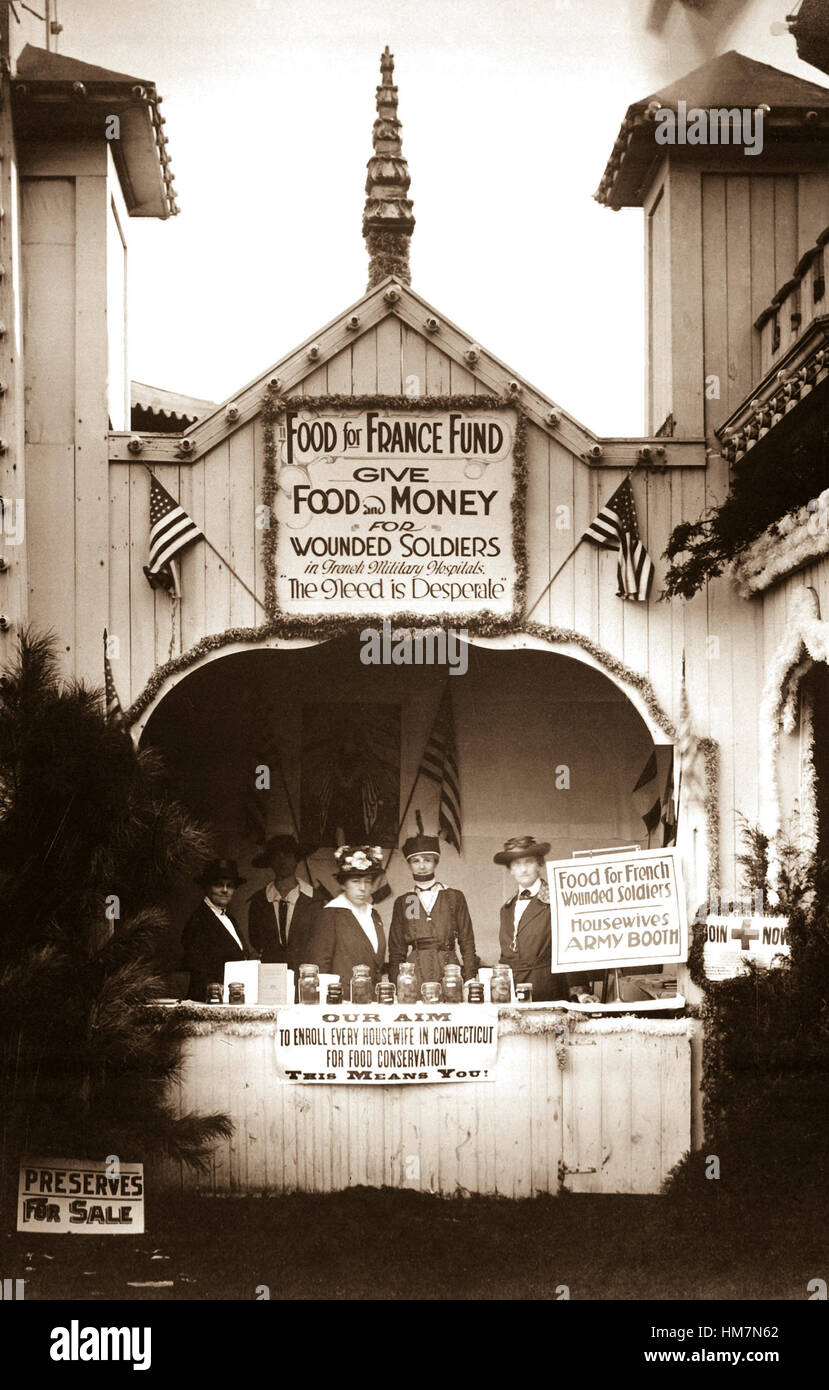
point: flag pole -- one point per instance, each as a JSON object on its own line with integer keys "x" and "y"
{"x": 552, "y": 581}
{"x": 416, "y": 780}
{"x": 227, "y": 566}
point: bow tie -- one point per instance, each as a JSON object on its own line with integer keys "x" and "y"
{"x": 525, "y": 893}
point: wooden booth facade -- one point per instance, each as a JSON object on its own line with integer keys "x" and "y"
{"x": 568, "y": 691}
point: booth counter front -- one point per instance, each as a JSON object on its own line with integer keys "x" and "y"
{"x": 570, "y": 1102}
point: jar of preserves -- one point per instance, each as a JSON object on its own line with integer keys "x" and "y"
{"x": 309, "y": 984}
{"x": 475, "y": 992}
{"x": 499, "y": 986}
{"x": 214, "y": 993}
{"x": 452, "y": 985}
{"x": 384, "y": 992}
{"x": 361, "y": 987}
{"x": 430, "y": 992}
{"x": 407, "y": 991}
{"x": 235, "y": 992}
{"x": 524, "y": 993}
{"x": 334, "y": 994}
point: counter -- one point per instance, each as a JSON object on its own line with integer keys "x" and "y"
{"x": 597, "y": 1105}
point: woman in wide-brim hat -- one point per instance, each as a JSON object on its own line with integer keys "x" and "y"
{"x": 212, "y": 936}
{"x": 349, "y": 930}
{"x": 525, "y": 932}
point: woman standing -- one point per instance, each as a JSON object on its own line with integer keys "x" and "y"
{"x": 212, "y": 936}
{"x": 349, "y": 930}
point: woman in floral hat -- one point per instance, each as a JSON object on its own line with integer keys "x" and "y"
{"x": 349, "y": 931}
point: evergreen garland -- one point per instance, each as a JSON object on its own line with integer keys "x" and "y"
{"x": 762, "y": 492}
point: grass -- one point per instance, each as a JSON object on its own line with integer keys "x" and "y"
{"x": 704, "y": 1243}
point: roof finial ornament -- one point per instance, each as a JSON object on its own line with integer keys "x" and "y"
{"x": 388, "y": 220}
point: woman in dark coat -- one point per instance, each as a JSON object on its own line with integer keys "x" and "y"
{"x": 526, "y": 928}
{"x": 432, "y": 922}
{"x": 212, "y": 935}
{"x": 349, "y": 931}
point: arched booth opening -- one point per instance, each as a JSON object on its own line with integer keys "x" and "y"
{"x": 316, "y": 741}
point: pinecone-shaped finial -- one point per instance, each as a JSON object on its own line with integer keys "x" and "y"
{"x": 388, "y": 220}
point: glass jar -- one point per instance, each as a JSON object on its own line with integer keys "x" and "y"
{"x": 214, "y": 993}
{"x": 430, "y": 992}
{"x": 475, "y": 992}
{"x": 361, "y": 987}
{"x": 452, "y": 984}
{"x": 384, "y": 992}
{"x": 309, "y": 984}
{"x": 407, "y": 992}
{"x": 524, "y": 993}
{"x": 334, "y": 994}
{"x": 499, "y": 986}
{"x": 235, "y": 992}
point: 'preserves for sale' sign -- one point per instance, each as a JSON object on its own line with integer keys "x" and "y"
{"x": 387, "y": 1045}
{"x": 81, "y": 1196}
{"x": 618, "y": 909}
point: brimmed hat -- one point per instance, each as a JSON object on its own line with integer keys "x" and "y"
{"x": 521, "y": 847}
{"x": 216, "y": 869}
{"x": 280, "y": 844}
{"x": 355, "y": 860}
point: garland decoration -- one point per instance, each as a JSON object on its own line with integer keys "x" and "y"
{"x": 806, "y": 640}
{"x": 789, "y": 544}
{"x": 276, "y": 405}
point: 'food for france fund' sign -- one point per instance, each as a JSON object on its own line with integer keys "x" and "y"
{"x": 381, "y": 512}
{"x": 617, "y": 910}
{"x": 389, "y": 1045}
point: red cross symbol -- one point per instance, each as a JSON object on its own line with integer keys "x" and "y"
{"x": 746, "y": 934}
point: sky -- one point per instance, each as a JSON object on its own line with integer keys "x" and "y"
{"x": 509, "y": 110}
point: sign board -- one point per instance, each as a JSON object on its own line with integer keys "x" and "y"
{"x": 396, "y": 511}
{"x": 731, "y": 941}
{"x": 617, "y": 910}
{"x": 390, "y": 1045}
{"x": 81, "y": 1196}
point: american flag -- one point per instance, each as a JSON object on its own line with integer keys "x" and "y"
{"x": 114, "y": 712}
{"x": 440, "y": 763}
{"x": 615, "y": 528}
{"x": 171, "y": 529}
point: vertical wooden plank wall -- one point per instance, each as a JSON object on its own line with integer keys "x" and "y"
{"x": 14, "y": 583}
{"x": 617, "y": 1115}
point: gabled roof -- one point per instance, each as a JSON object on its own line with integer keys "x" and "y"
{"x": 56, "y": 97}
{"x": 154, "y": 408}
{"x": 727, "y": 82}
{"x": 390, "y": 298}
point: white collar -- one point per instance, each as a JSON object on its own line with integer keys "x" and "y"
{"x": 427, "y": 887}
{"x": 219, "y": 911}
{"x": 342, "y": 901}
{"x": 533, "y": 890}
{"x": 272, "y": 892}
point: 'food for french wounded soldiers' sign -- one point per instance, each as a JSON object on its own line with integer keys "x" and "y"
{"x": 382, "y": 512}
{"x": 617, "y": 910}
{"x": 81, "y": 1196}
{"x": 387, "y": 1046}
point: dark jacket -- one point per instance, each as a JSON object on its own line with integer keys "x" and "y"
{"x": 530, "y": 961}
{"x": 263, "y": 930}
{"x": 430, "y": 941}
{"x": 206, "y": 945}
{"x": 339, "y": 943}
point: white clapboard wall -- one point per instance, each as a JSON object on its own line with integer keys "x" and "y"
{"x": 615, "y": 1118}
